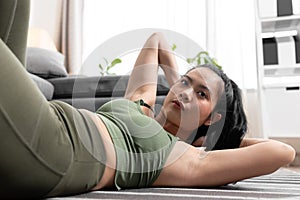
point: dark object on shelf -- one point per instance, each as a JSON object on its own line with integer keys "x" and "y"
{"x": 270, "y": 51}
{"x": 297, "y": 48}
{"x": 284, "y": 7}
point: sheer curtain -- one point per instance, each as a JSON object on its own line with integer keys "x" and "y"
{"x": 69, "y": 34}
{"x": 231, "y": 39}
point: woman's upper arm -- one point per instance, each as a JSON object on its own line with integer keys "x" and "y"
{"x": 143, "y": 79}
{"x": 215, "y": 168}
{"x": 142, "y": 83}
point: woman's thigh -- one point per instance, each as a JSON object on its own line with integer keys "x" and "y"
{"x": 14, "y": 20}
{"x": 33, "y": 152}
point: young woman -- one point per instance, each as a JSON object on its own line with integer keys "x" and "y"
{"x": 222, "y": 99}
{"x": 51, "y": 149}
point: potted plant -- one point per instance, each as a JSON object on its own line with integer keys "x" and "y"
{"x": 201, "y": 58}
{"x": 105, "y": 69}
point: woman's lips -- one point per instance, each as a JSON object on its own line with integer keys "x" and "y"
{"x": 178, "y": 104}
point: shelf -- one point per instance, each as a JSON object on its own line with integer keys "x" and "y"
{"x": 296, "y": 66}
{"x": 283, "y": 18}
{"x": 278, "y": 68}
{"x": 282, "y": 72}
{"x": 275, "y": 24}
{"x": 281, "y": 82}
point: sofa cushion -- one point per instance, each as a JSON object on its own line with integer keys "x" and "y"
{"x": 45, "y": 87}
{"x": 97, "y": 86}
{"x": 45, "y": 63}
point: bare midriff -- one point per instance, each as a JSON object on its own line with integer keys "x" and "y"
{"x": 107, "y": 179}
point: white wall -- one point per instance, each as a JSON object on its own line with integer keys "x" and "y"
{"x": 251, "y": 104}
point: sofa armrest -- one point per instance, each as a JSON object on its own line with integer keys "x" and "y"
{"x": 45, "y": 87}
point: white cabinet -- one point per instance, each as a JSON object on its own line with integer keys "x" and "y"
{"x": 278, "y": 66}
{"x": 281, "y": 106}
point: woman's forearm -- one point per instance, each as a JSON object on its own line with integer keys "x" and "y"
{"x": 167, "y": 60}
{"x": 251, "y": 141}
{"x": 246, "y": 142}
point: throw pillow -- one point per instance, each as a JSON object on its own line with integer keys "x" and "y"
{"x": 45, "y": 63}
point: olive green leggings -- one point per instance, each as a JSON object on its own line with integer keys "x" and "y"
{"x": 46, "y": 148}
{"x": 14, "y": 20}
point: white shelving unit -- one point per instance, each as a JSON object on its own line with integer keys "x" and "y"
{"x": 278, "y": 79}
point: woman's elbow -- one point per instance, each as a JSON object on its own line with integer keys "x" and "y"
{"x": 286, "y": 154}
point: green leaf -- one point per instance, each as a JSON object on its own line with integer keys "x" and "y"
{"x": 206, "y": 61}
{"x": 115, "y": 61}
{"x": 100, "y": 66}
{"x": 216, "y": 64}
{"x": 174, "y": 47}
{"x": 203, "y": 52}
{"x": 189, "y": 60}
{"x": 198, "y": 61}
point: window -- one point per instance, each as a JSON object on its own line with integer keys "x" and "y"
{"x": 105, "y": 20}
{"x": 225, "y": 28}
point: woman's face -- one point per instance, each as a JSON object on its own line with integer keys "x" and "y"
{"x": 191, "y": 100}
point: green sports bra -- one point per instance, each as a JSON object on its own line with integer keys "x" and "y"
{"x": 142, "y": 145}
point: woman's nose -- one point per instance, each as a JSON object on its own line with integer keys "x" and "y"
{"x": 186, "y": 95}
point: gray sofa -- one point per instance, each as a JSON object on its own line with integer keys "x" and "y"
{"x": 47, "y": 69}
{"x": 92, "y": 92}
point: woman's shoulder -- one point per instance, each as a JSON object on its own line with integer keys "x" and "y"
{"x": 117, "y": 104}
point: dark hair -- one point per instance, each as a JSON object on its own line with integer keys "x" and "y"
{"x": 229, "y": 131}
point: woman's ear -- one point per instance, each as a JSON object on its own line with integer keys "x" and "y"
{"x": 213, "y": 119}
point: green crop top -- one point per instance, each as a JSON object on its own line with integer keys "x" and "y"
{"x": 141, "y": 144}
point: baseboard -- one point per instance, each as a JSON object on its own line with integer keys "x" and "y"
{"x": 296, "y": 162}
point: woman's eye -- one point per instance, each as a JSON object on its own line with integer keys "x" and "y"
{"x": 184, "y": 82}
{"x": 201, "y": 94}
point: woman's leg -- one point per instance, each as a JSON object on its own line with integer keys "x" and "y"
{"x": 30, "y": 131}
{"x": 34, "y": 154}
{"x": 14, "y": 20}
{"x": 46, "y": 148}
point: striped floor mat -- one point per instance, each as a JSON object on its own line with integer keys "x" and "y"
{"x": 283, "y": 184}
